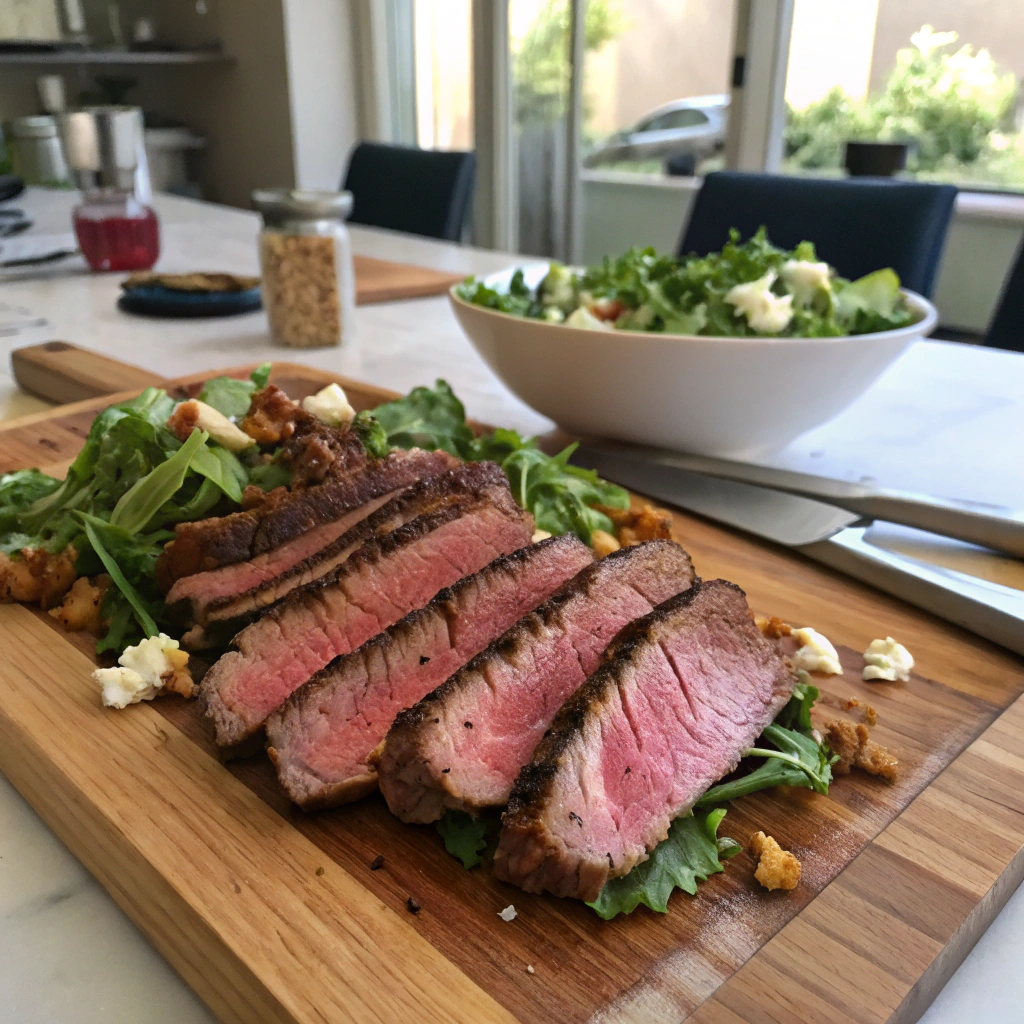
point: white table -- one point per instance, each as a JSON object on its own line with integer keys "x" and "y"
{"x": 945, "y": 419}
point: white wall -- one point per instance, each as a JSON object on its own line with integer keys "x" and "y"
{"x": 322, "y": 89}
{"x": 621, "y": 210}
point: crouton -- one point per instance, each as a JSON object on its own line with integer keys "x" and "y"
{"x": 776, "y": 868}
{"x": 772, "y": 627}
{"x": 80, "y": 609}
{"x": 634, "y": 526}
{"x": 856, "y": 749}
{"x": 603, "y": 543}
{"x": 37, "y": 577}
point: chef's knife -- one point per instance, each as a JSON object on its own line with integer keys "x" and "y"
{"x": 829, "y": 535}
{"x": 991, "y": 526}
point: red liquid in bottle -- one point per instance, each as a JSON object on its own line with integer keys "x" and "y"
{"x": 118, "y": 235}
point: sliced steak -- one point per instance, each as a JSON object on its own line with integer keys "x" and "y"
{"x": 322, "y": 739}
{"x": 678, "y": 699}
{"x": 463, "y": 745}
{"x": 385, "y": 579}
{"x": 242, "y": 536}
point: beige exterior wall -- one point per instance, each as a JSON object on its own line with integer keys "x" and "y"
{"x": 670, "y": 49}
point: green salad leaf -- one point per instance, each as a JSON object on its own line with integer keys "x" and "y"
{"x": 560, "y": 496}
{"x": 691, "y": 854}
{"x": 232, "y": 397}
{"x": 465, "y": 837}
{"x": 646, "y": 291}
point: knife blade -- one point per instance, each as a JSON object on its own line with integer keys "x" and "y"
{"x": 989, "y": 525}
{"x": 830, "y": 535}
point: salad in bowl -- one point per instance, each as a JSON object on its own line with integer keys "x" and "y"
{"x": 730, "y": 354}
{"x": 749, "y": 289}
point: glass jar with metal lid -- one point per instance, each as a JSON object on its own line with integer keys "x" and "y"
{"x": 306, "y": 259}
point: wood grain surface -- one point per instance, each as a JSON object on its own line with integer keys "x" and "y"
{"x": 385, "y": 281}
{"x": 221, "y": 872}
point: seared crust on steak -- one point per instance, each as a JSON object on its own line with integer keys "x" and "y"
{"x": 620, "y": 743}
{"x": 462, "y": 746}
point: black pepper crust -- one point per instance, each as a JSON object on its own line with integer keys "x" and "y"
{"x": 445, "y": 603}
{"x": 532, "y": 788}
{"x": 531, "y": 626}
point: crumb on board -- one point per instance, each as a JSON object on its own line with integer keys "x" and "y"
{"x": 319, "y": 872}
{"x": 635, "y": 525}
{"x": 776, "y": 868}
{"x": 853, "y": 743}
{"x": 413, "y": 905}
{"x": 508, "y": 914}
{"x": 35, "y": 576}
{"x": 377, "y": 863}
{"x": 80, "y": 611}
{"x": 772, "y": 626}
{"x": 529, "y": 969}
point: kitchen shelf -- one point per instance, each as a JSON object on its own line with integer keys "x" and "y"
{"x": 52, "y": 58}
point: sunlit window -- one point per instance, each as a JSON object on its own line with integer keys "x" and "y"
{"x": 444, "y": 73}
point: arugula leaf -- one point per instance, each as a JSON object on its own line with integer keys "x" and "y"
{"x": 261, "y": 375}
{"x": 231, "y": 396}
{"x": 518, "y": 300}
{"x": 137, "y": 506}
{"x": 221, "y": 467}
{"x": 368, "y": 429}
{"x": 93, "y": 528}
{"x": 466, "y": 837}
{"x": 688, "y": 856}
{"x": 21, "y": 488}
{"x": 426, "y": 418}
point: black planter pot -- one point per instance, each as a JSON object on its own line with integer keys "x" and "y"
{"x": 875, "y": 159}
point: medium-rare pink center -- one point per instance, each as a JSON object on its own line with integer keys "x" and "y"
{"x": 282, "y": 650}
{"x": 677, "y": 734}
{"x": 494, "y": 731}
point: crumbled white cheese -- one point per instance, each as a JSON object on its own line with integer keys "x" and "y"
{"x": 529, "y": 969}
{"x": 553, "y": 315}
{"x": 582, "y": 317}
{"x": 886, "y": 659}
{"x": 805, "y": 279}
{"x": 539, "y": 535}
{"x": 331, "y": 405}
{"x": 221, "y": 429}
{"x": 508, "y": 914}
{"x": 142, "y": 672}
{"x": 815, "y": 653}
{"x": 765, "y": 311}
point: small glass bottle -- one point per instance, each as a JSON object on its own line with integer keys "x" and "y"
{"x": 308, "y": 279}
{"x": 115, "y": 226}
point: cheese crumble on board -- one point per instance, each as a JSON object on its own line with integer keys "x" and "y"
{"x": 887, "y": 660}
{"x": 152, "y": 667}
{"x": 508, "y": 914}
{"x": 815, "y": 653}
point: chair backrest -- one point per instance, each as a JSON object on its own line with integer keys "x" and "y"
{"x": 857, "y": 225}
{"x": 422, "y": 191}
{"x": 1007, "y": 327}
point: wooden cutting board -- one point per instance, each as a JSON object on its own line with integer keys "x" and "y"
{"x": 385, "y": 281}
{"x": 274, "y": 915}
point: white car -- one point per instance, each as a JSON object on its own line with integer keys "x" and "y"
{"x": 692, "y": 128}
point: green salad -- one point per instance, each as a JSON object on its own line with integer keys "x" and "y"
{"x": 749, "y": 289}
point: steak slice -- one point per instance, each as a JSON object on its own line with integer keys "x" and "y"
{"x": 242, "y": 536}
{"x": 385, "y": 579}
{"x": 463, "y": 745}
{"x": 680, "y": 696}
{"x": 323, "y": 737}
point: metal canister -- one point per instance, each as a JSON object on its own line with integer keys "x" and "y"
{"x": 38, "y": 157}
{"x": 306, "y": 259}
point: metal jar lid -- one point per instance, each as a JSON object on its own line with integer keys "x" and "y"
{"x": 102, "y": 145}
{"x": 280, "y": 206}
{"x": 37, "y": 126}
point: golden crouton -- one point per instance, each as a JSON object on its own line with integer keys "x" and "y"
{"x": 772, "y": 627}
{"x": 603, "y": 543}
{"x": 37, "y": 577}
{"x": 178, "y": 679}
{"x": 776, "y": 868}
{"x": 80, "y": 610}
{"x": 856, "y": 749}
{"x": 634, "y": 526}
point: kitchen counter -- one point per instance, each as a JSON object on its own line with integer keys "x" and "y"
{"x": 944, "y": 419}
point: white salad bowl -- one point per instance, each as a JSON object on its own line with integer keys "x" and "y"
{"x": 730, "y": 397}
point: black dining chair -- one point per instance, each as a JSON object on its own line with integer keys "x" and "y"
{"x": 1007, "y": 327}
{"x": 422, "y": 191}
{"x": 857, "y": 225}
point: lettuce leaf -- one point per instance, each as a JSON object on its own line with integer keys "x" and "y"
{"x": 691, "y": 854}
{"x": 232, "y": 397}
{"x": 465, "y": 837}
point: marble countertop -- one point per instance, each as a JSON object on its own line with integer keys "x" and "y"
{"x": 944, "y": 419}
